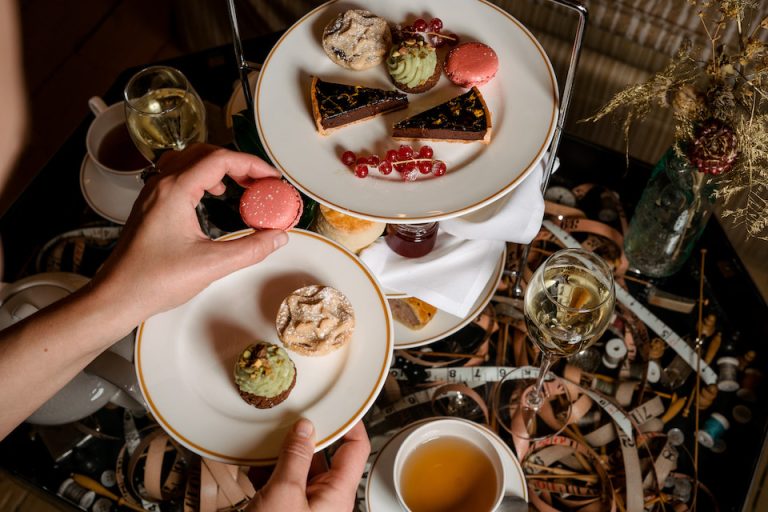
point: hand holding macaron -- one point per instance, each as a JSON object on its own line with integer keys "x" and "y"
{"x": 163, "y": 258}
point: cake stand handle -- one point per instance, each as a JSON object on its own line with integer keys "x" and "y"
{"x": 243, "y": 66}
{"x": 581, "y": 12}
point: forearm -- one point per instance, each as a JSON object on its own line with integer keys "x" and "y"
{"x": 41, "y": 354}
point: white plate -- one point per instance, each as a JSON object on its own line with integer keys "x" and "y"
{"x": 185, "y": 357}
{"x": 380, "y": 489}
{"x": 444, "y": 324}
{"x": 236, "y": 103}
{"x": 110, "y": 198}
{"x": 522, "y": 99}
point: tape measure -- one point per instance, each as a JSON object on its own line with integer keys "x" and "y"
{"x": 477, "y": 376}
{"x": 661, "y": 329}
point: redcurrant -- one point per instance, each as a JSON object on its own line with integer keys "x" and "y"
{"x": 426, "y": 152}
{"x": 348, "y": 158}
{"x": 373, "y": 160}
{"x": 438, "y": 168}
{"x": 405, "y": 152}
{"x": 391, "y": 156}
{"x": 425, "y": 167}
{"x": 436, "y": 25}
{"x": 361, "y": 170}
{"x": 420, "y": 25}
{"x": 385, "y": 167}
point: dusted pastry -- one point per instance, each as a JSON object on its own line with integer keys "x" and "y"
{"x": 357, "y": 39}
{"x": 353, "y": 233}
{"x": 315, "y": 320}
{"x": 264, "y": 375}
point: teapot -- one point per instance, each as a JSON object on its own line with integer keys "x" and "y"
{"x": 110, "y": 377}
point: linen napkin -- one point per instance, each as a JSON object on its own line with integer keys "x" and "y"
{"x": 451, "y": 277}
{"x": 515, "y": 217}
{"x": 467, "y": 251}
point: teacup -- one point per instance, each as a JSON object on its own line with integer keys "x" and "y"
{"x": 448, "y": 464}
{"x": 110, "y": 146}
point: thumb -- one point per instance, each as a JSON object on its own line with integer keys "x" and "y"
{"x": 245, "y": 251}
{"x": 296, "y": 456}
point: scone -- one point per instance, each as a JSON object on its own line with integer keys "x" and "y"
{"x": 412, "y": 66}
{"x": 353, "y": 233}
{"x": 412, "y": 312}
{"x": 315, "y": 320}
{"x": 357, "y": 39}
{"x": 264, "y": 374}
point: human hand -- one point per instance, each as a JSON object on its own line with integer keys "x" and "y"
{"x": 300, "y": 481}
{"x": 163, "y": 258}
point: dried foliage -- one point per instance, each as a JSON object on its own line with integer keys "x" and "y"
{"x": 730, "y": 89}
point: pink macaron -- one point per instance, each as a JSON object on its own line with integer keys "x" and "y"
{"x": 271, "y": 203}
{"x": 471, "y": 64}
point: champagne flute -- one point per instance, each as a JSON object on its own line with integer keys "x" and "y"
{"x": 568, "y": 304}
{"x": 163, "y": 111}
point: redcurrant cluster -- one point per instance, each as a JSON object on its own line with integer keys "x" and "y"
{"x": 403, "y": 160}
{"x": 431, "y": 32}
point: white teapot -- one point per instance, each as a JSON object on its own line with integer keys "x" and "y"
{"x": 111, "y": 377}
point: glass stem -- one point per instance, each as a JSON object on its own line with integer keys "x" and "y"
{"x": 535, "y": 398}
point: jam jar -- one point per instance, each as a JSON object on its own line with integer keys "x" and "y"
{"x": 412, "y": 240}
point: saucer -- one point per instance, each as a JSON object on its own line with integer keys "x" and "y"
{"x": 380, "y": 488}
{"x": 107, "y": 197}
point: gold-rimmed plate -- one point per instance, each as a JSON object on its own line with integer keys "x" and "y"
{"x": 522, "y": 99}
{"x": 185, "y": 357}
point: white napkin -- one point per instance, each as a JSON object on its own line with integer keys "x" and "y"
{"x": 451, "y": 277}
{"x": 516, "y": 217}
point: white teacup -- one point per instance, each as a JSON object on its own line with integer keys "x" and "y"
{"x": 450, "y": 462}
{"x": 111, "y": 149}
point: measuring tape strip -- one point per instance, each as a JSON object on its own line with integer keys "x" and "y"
{"x": 659, "y": 327}
{"x": 477, "y": 376}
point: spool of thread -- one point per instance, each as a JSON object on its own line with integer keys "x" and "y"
{"x": 605, "y": 387}
{"x": 638, "y": 370}
{"x": 713, "y": 429}
{"x": 658, "y": 346}
{"x": 74, "y": 492}
{"x": 728, "y": 368}
{"x": 741, "y": 414}
{"x": 749, "y": 383}
{"x": 708, "y": 326}
{"x": 615, "y": 352}
{"x": 675, "y": 436}
{"x": 707, "y": 396}
{"x": 682, "y": 489}
{"x": 747, "y": 359}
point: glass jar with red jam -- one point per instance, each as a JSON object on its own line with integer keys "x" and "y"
{"x": 412, "y": 240}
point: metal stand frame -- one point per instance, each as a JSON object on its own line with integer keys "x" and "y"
{"x": 573, "y": 5}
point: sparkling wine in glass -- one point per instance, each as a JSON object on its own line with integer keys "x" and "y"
{"x": 163, "y": 111}
{"x": 568, "y": 304}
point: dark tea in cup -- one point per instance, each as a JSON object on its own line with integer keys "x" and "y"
{"x": 118, "y": 152}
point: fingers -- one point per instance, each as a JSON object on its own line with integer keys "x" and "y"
{"x": 230, "y": 255}
{"x": 295, "y": 456}
{"x": 349, "y": 460}
{"x": 207, "y": 173}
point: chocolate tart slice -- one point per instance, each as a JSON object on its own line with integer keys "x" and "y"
{"x": 336, "y": 105}
{"x": 464, "y": 118}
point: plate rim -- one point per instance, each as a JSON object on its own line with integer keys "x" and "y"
{"x": 443, "y": 215}
{"x": 319, "y": 443}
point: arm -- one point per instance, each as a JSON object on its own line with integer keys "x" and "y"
{"x": 161, "y": 260}
{"x": 13, "y": 119}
